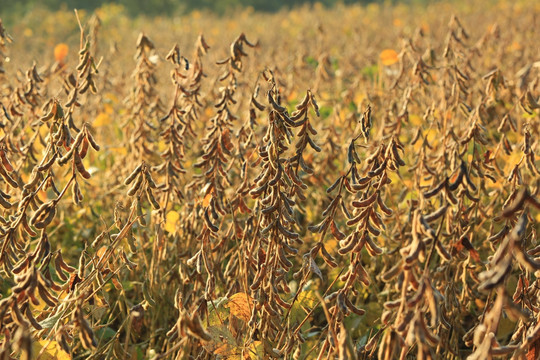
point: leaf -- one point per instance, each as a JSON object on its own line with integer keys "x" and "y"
{"x": 105, "y": 333}
{"x": 240, "y": 305}
{"x": 534, "y": 350}
{"x": 102, "y": 119}
{"x": 102, "y": 250}
{"x": 51, "y": 321}
{"x": 60, "y": 52}
{"x": 314, "y": 268}
{"x": 218, "y": 313}
{"x": 415, "y": 119}
{"x": 207, "y": 199}
{"x": 464, "y": 243}
{"x": 306, "y": 300}
{"x": 389, "y": 57}
{"x": 222, "y": 342}
{"x": 50, "y": 350}
{"x": 255, "y": 350}
{"x": 171, "y": 221}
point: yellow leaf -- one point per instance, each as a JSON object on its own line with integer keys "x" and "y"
{"x": 196, "y": 14}
{"x": 232, "y": 25}
{"x": 109, "y": 99}
{"x": 162, "y": 146}
{"x": 389, "y": 57}
{"x": 102, "y": 119}
{"x": 119, "y": 150}
{"x": 108, "y": 108}
{"x": 415, "y": 120}
{"x": 60, "y": 52}
{"x": 325, "y": 95}
{"x": 292, "y": 96}
{"x": 49, "y": 350}
{"x": 224, "y": 350}
{"x": 171, "y": 220}
{"x": 222, "y": 342}
{"x": 240, "y": 305}
{"x": 515, "y": 46}
{"x": 331, "y": 244}
{"x": 207, "y": 199}
{"x": 359, "y": 97}
{"x": 256, "y": 350}
{"x": 307, "y": 299}
{"x": 431, "y": 135}
{"x": 101, "y": 251}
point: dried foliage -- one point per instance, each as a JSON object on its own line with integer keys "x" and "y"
{"x": 317, "y": 196}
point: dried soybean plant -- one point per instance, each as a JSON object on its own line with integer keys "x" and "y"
{"x": 191, "y": 91}
{"x": 39, "y": 277}
{"x": 457, "y": 189}
{"x": 277, "y": 239}
{"x": 212, "y": 183}
{"x": 24, "y": 98}
{"x": 274, "y": 237}
{"x": 143, "y": 102}
{"x": 182, "y": 115}
{"x": 5, "y": 39}
{"x": 173, "y": 134}
{"x": 217, "y": 160}
{"x": 367, "y": 219}
{"x": 217, "y": 144}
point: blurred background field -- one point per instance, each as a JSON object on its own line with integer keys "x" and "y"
{"x": 339, "y": 29}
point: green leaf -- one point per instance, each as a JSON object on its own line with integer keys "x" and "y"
{"x": 304, "y": 303}
{"x": 105, "y": 333}
{"x": 51, "y": 321}
{"x": 370, "y": 71}
{"x": 217, "y": 312}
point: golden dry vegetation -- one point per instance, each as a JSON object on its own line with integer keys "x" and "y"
{"x": 348, "y": 183}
